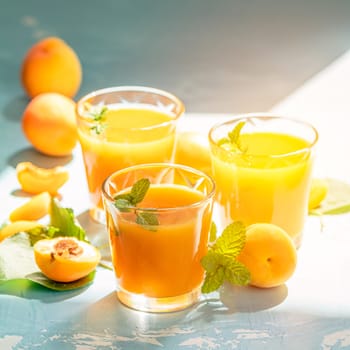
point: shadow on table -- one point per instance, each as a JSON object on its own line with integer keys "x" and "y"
{"x": 31, "y": 155}
{"x": 14, "y": 109}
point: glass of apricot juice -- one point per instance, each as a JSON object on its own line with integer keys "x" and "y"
{"x": 158, "y": 219}
{"x": 262, "y": 167}
{"x": 123, "y": 126}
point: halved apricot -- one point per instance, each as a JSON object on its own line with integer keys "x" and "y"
{"x": 34, "y": 209}
{"x": 34, "y": 179}
{"x": 16, "y": 227}
{"x": 65, "y": 259}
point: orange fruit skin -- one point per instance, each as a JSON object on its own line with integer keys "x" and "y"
{"x": 61, "y": 268}
{"x": 51, "y": 65}
{"x": 34, "y": 179}
{"x": 49, "y": 124}
{"x": 269, "y": 254}
{"x": 192, "y": 149}
{"x": 34, "y": 209}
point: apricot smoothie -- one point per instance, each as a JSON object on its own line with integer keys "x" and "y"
{"x": 267, "y": 178}
{"x": 116, "y": 135}
{"x": 157, "y": 265}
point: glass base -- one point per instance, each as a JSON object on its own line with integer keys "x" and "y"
{"x": 169, "y": 304}
{"x": 98, "y": 215}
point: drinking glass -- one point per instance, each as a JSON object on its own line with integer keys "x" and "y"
{"x": 265, "y": 175}
{"x": 157, "y": 244}
{"x": 122, "y": 126}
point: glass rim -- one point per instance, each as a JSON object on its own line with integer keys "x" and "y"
{"x": 265, "y": 116}
{"x": 131, "y": 88}
{"x": 207, "y": 197}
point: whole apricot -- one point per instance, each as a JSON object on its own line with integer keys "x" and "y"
{"x": 51, "y": 65}
{"x": 65, "y": 259}
{"x": 49, "y": 124}
{"x": 269, "y": 254}
{"x": 192, "y": 149}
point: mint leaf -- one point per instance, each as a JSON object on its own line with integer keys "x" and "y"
{"x": 139, "y": 190}
{"x": 233, "y": 138}
{"x": 211, "y": 261}
{"x": 220, "y": 262}
{"x": 236, "y": 273}
{"x": 63, "y": 219}
{"x": 232, "y": 240}
{"x": 98, "y": 115}
{"x": 42, "y": 232}
{"x": 128, "y": 201}
{"x": 147, "y": 220}
{"x": 123, "y": 204}
{"x": 213, "y": 232}
{"x": 213, "y": 280}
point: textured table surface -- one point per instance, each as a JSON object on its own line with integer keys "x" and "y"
{"x": 312, "y": 310}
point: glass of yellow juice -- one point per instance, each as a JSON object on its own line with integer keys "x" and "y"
{"x": 157, "y": 240}
{"x": 262, "y": 166}
{"x": 123, "y": 126}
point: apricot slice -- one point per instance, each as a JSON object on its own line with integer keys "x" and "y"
{"x": 34, "y": 209}
{"x": 318, "y": 192}
{"x": 269, "y": 254}
{"x": 16, "y": 227}
{"x": 65, "y": 259}
{"x": 35, "y": 180}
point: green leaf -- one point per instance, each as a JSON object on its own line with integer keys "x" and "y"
{"x": 337, "y": 200}
{"x": 39, "y": 278}
{"x": 64, "y": 220}
{"x": 232, "y": 240}
{"x": 213, "y": 232}
{"x": 220, "y": 262}
{"x": 139, "y": 190}
{"x": 126, "y": 201}
{"x": 213, "y": 280}
{"x": 98, "y": 115}
{"x": 233, "y": 141}
{"x": 234, "y": 135}
{"x": 42, "y": 232}
{"x": 122, "y": 204}
{"x": 147, "y": 220}
{"x": 211, "y": 261}
{"x": 237, "y": 273}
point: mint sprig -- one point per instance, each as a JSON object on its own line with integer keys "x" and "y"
{"x": 221, "y": 264}
{"x": 127, "y": 201}
{"x": 232, "y": 140}
{"x": 98, "y": 115}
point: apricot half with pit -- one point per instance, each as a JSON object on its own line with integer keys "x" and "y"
{"x": 65, "y": 259}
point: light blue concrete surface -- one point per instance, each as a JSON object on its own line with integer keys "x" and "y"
{"x": 218, "y": 56}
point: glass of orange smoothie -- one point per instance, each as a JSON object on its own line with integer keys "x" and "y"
{"x": 262, "y": 166}
{"x": 157, "y": 241}
{"x": 123, "y": 126}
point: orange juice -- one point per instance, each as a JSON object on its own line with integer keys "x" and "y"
{"x": 165, "y": 262}
{"x": 131, "y": 136}
{"x": 267, "y": 182}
